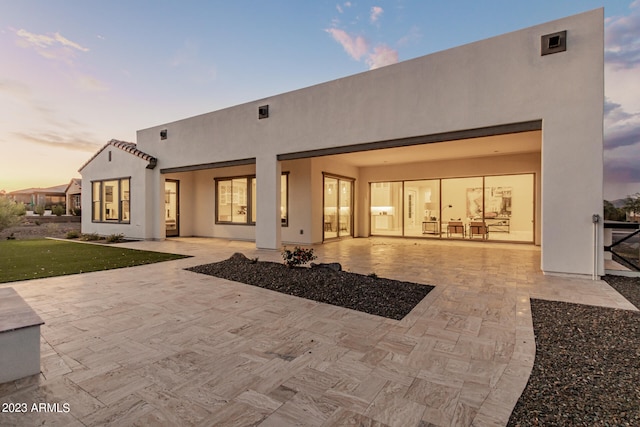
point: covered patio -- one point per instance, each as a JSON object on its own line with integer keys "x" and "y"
{"x": 157, "y": 344}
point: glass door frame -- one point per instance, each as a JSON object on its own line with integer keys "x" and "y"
{"x": 340, "y": 179}
{"x": 176, "y": 232}
{"x": 443, "y": 206}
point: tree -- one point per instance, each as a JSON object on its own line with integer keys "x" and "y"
{"x": 632, "y": 204}
{"x": 612, "y": 213}
{"x": 10, "y": 212}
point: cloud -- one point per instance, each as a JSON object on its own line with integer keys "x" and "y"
{"x": 382, "y": 55}
{"x": 54, "y": 46}
{"x": 14, "y": 88}
{"x": 622, "y": 44}
{"x": 413, "y": 35}
{"x": 344, "y": 5}
{"x": 622, "y": 128}
{"x": 356, "y": 46}
{"x": 623, "y": 169}
{"x": 621, "y": 150}
{"x": 91, "y": 84}
{"x": 76, "y": 142}
{"x": 376, "y": 12}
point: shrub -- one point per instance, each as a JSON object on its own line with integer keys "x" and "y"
{"x": 10, "y": 212}
{"x": 115, "y": 238}
{"x": 91, "y": 236}
{"x": 58, "y": 210}
{"x": 298, "y": 256}
{"x": 76, "y": 212}
{"x": 39, "y": 209}
{"x": 73, "y": 234}
{"x": 52, "y": 228}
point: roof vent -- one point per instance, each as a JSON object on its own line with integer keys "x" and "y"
{"x": 554, "y": 43}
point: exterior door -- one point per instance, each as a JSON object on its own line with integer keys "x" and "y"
{"x": 337, "y": 207}
{"x": 172, "y": 207}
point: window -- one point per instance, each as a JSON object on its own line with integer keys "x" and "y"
{"x": 110, "y": 200}
{"x": 503, "y": 205}
{"x": 232, "y": 200}
{"x": 236, "y": 200}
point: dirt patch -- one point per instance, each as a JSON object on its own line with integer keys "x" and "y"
{"x": 34, "y": 231}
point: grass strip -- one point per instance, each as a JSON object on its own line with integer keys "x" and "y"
{"x": 36, "y": 259}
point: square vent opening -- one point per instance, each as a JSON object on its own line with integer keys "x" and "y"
{"x": 554, "y": 43}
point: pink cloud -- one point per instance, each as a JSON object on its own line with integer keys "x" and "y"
{"x": 376, "y": 12}
{"x": 382, "y": 55}
{"x": 355, "y": 46}
{"x": 54, "y": 46}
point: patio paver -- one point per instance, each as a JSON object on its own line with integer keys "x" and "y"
{"x": 160, "y": 345}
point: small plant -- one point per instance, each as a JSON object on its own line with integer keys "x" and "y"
{"x": 115, "y": 238}
{"x": 298, "y": 256}
{"x": 52, "y": 228}
{"x": 373, "y": 275}
{"x": 254, "y": 260}
{"x": 39, "y": 209}
{"x": 57, "y": 210}
{"x": 76, "y": 212}
{"x": 91, "y": 236}
{"x": 73, "y": 234}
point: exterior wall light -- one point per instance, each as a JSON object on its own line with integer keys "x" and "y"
{"x": 163, "y": 134}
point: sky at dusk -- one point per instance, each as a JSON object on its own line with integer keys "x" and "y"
{"x": 75, "y": 74}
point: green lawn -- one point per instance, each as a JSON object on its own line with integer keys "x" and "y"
{"x": 34, "y": 259}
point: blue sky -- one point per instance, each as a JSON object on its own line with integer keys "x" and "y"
{"x": 75, "y": 74}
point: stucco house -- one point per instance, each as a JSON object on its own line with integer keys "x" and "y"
{"x": 73, "y": 195}
{"x": 47, "y": 197}
{"x": 497, "y": 140}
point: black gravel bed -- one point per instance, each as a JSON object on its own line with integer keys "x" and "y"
{"x": 628, "y": 287}
{"x": 388, "y": 298}
{"x": 586, "y": 370}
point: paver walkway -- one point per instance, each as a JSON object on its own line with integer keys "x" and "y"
{"x": 158, "y": 345}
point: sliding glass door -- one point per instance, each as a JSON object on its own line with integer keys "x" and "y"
{"x": 422, "y": 208}
{"x": 386, "y": 208}
{"x": 337, "y": 207}
{"x": 498, "y": 208}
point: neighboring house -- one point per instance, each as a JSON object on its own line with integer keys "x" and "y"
{"x": 73, "y": 195}
{"x": 497, "y": 140}
{"x": 32, "y": 197}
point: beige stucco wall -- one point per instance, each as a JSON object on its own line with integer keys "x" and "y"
{"x": 497, "y": 81}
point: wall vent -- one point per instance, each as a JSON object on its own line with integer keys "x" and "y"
{"x": 553, "y": 43}
{"x": 263, "y": 112}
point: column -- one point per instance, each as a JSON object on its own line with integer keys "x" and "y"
{"x": 268, "y": 224}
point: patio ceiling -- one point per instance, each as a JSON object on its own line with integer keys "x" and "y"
{"x": 516, "y": 143}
